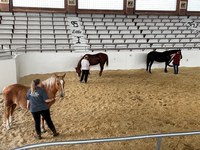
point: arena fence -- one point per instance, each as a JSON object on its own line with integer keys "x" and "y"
{"x": 158, "y": 137}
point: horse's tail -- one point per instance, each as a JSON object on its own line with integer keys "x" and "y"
{"x": 5, "y": 108}
{"x": 4, "y": 95}
{"x": 107, "y": 60}
{"x": 170, "y": 60}
{"x": 147, "y": 62}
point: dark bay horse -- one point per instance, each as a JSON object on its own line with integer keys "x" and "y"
{"x": 15, "y": 95}
{"x": 160, "y": 57}
{"x": 99, "y": 58}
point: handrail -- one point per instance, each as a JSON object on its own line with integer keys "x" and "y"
{"x": 107, "y": 48}
{"x": 114, "y": 139}
{"x": 40, "y": 50}
{"x": 96, "y": 49}
{"x": 97, "y": 33}
{"x": 5, "y": 52}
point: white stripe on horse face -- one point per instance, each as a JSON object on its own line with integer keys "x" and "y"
{"x": 62, "y": 84}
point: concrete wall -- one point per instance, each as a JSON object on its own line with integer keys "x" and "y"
{"x": 33, "y": 63}
{"x": 8, "y": 73}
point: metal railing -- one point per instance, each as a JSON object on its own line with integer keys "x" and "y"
{"x": 158, "y": 137}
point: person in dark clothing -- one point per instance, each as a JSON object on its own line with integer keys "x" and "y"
{"x": 176, "y": 61}
{"x": 37, "y": 100}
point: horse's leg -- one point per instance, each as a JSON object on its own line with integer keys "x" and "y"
{"x": 150, "y": 64}
{"x": 147, "y": 67}
{"x": 11, "y": 113}
{"x": 101, "y": 68}
{"x": 7, "y": 116}
{"x": 42, "y": 125}
{"x": 166, "y": 63}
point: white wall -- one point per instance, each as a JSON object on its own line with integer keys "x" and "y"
{"x": 8, "y": 73}
{"x": 33, "y": 63}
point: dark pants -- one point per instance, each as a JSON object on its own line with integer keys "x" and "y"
{"x": 175, "y": 68}
{"x": 84, "y": 75}
{"x": 46, "y": 115}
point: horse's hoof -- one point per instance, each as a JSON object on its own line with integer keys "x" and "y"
{"x": 43, "y": 130}
{"x": 11, "y": 124}
{"x": 8, "y": 127}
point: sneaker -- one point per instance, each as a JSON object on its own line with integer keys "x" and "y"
{"x": 55, "y": 134}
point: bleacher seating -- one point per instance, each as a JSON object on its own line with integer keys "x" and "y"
{"x": 50, "y": 32}
{"x": 34, "y": 32}
{"x": 147, "y": 32}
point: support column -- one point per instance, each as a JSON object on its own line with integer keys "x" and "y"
{"x": 71, "y": 6}
{"x": 4, "y": 5}
{"x": 182, "y": 7}
{"x": 130, "y": 7}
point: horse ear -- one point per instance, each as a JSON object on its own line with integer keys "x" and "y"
{"x": 63, "y": 75}
{"x": 55, "y": 75}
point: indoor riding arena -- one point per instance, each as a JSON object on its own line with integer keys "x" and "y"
{"x": 134, "y": 104}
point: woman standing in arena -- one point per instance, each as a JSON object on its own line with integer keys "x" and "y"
{"x": 176, "y": 61}
{"x": 37, "y": 104}
{"x": 85, "y": 67}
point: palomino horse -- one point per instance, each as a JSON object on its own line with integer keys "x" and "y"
{"x": 99, "y": 58}
{"x": 160, "y": 57}
{"x": 15, "y": 95}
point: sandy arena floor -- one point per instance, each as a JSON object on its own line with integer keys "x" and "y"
{"x": 120, "y": 103}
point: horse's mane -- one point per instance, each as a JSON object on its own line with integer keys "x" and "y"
{"x": 79, "y": 62}
{"x": 172, "y": 51}
{"x": 49, "y": 83}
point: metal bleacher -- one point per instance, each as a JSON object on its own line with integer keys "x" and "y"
{"x": 119, "y": 32}
{"x": 27, "y": 32}
{"x": 34, "y": 32}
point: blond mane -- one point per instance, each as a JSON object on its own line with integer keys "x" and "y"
{"x": 49, "y": 83}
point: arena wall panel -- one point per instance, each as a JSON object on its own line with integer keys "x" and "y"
{"x": 42, "y": 63}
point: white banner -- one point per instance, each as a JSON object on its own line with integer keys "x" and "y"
{"x": 101, "y": 4}
{"x": 77, "y": 33}
{"x": 157, "y": 5}
{"x": 39, "y": 3}
{"x": 193, "y": 5}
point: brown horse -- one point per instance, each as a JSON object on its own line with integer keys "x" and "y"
{"x": 99, "y": 58}
{"x": 15, "y": 95}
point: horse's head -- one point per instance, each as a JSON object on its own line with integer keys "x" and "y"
{"x": 60, "y": 84}
{"x": 78, "y": 71}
